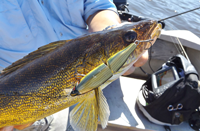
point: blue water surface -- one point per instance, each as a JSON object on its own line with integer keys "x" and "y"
{"x": 160, "y": 9}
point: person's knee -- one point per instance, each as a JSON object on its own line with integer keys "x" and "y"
{"x": 142, "y": 60}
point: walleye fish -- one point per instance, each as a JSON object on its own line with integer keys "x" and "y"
{"x": 63, "y": 73}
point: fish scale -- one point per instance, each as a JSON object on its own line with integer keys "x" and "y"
{"x": 39, "y": 84}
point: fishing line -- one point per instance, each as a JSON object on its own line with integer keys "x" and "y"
{"x": 180, "y": 48}
{"x": 149, "y": 61}
{"x": 173, "y": 41}
{"x": 150, "y": 57}
{"x": 176, "y": 45}
{"x": 183, "y": 52}
{"x": 178, "y": 14}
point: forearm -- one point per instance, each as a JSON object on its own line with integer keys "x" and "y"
{"x": 102, "y": 19}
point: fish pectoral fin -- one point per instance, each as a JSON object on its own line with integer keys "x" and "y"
{"x": 84, "y": 116}
{"x": 104, "y": 111}
{"x": 32, "y": 56}
{"x": 94, "y": 78}
{"x": 116, "y": 61}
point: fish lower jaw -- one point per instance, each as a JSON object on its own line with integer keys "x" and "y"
{"x": 156, "y": 32}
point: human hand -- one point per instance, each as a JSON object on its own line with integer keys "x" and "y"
{"x": 7, "y": 128}
{"x": 19, "y": 127}
{"x": 140, "y": 62}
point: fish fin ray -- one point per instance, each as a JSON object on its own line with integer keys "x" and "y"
{"x": 41, "y": 51}
{"x": 84, "y": 116}
{"x": 104, "y": 111}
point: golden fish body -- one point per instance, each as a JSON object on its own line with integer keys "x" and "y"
{"x": 39, "y": 84}
{"x": 118, "y": 63}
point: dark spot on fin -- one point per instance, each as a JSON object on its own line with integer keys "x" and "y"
{"x": 74, "y": 92}
{"x": 84, "y": 116}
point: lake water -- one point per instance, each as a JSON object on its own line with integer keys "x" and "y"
{"x": 160, "y": 9}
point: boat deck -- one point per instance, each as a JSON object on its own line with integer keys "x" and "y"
{"x": 121, "y": 96}
{"x": 167, "y": 46}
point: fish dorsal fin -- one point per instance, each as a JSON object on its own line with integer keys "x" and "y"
{"x": 32, "y": 56}
{"x": 84, "y": 117}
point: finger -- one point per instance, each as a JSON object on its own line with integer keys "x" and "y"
{"x": 21, "y": 127}
{"x": 129, "y": 71}
{"x": 142, "y": 60}
{"x": 7, "y": 128}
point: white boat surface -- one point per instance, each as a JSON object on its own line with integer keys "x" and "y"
{"x": 166, "y": 47}
{"x": 122, "y": 93}
{"x": 121, "y": 96}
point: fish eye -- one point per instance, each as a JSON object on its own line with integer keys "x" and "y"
{"x": 130, "y": 36}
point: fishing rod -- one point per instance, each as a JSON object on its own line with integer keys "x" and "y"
{"x": 181, "y": 48}
{"x": 178, "y": 14}
{"x": 132, "y": 18}
{"x": 180, "y": 45}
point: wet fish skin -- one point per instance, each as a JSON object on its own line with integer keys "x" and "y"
{"x": 101, "y": 76}
{"x": 120, "y": 62}
{"x": 39, "y": 88}
{"x": 39, "y": 84}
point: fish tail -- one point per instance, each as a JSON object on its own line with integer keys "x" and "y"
{"x": 84, "y": 117}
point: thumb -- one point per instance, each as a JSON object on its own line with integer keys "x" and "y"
{"x": 7, "y": 128}
{"x": 21, "y": 127}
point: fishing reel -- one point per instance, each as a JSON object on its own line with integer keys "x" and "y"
{"x": 124, "y": 15}
{"x": 121, "y": 4}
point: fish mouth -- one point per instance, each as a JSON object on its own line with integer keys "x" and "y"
{"x": 153, "y": 36}
{"x": 156, "y": 32}
{"x": 120, "y": 61}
